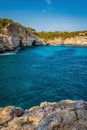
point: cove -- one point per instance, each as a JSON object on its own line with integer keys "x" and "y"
{"x": 43, "y": 73}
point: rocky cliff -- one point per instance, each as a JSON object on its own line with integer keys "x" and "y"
{"x": 63, "y": 115}
{"x": 13, "y": 35}
{"x": 78, "y": 38}
{"x": 76, "y": 41}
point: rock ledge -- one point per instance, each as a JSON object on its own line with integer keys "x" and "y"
{"x": 63, "y": 115}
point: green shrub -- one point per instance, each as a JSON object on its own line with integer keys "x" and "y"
{"x": 56, "y": 34}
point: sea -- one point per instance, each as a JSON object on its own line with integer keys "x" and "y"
{"x": 43, "y": 74}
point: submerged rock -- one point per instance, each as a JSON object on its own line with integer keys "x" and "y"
{"x": 63, "y": 115}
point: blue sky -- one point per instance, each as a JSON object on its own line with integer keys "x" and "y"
{"x": 47, "y": 15}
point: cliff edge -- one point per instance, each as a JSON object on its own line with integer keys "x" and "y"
{"x": 63, "y": 115}
{"x": 78, "y": 38}
{"x": 13, "y": 35}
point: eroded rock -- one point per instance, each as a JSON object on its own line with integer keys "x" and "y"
{"x": 8, "y": 113}
{"x": 15, "y": 35}
{"x": 63, "y": 115}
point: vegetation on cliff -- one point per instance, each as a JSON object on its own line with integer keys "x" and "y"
{"x": 63, "y": 35}
{"x": 5, "y": 22}
{"x": 13, "y": 35}
{"x": 43, "y": 35}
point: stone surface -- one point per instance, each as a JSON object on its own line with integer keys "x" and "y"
{"x": 15, "y": 35}
{"x": 76, "y": 41}
{"x": 8, "y": 113}
{"x": 63, "y": 115}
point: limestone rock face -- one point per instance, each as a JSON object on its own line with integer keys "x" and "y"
{"x": 40, "y": 41}
{"x": 76, "y": 41}
{"x": 8, "y": 113}
{"x": 56, "y": 41}
{"x": 63, "y": 115}
{"x": 15, "y": 35}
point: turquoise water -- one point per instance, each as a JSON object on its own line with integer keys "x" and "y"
{"x": 43, "y": 73}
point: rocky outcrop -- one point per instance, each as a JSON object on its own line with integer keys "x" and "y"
{"x": 15, "y": 35}
{"x": 54, "y": 42}
{"x": 77, "y": 40}
{"x": 63, "y": 115}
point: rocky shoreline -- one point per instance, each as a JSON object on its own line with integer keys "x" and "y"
{"x": 73, "y": 41}
{"x": 14, "y": 35}
{"x": 63, "y": 115}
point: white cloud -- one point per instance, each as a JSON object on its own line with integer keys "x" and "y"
{"x": 48, "y": 1}
{"x": 48, "y": 7}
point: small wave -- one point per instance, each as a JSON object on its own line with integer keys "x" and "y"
{"x": 11, "y": 53}
{"x": 8, "y": 53}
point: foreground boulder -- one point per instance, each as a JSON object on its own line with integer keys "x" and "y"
{"x": 63, "y": 115}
